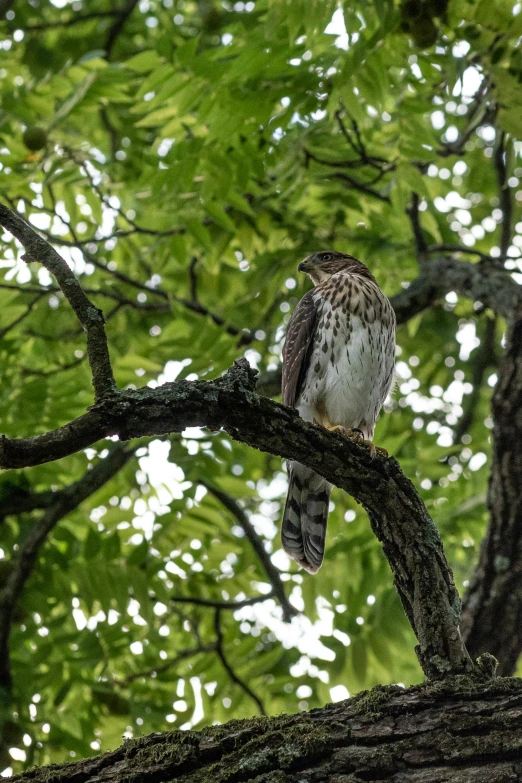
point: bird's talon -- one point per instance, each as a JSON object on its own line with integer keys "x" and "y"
{"x": 337, "y": 428}
{"x": 375, "y": 449}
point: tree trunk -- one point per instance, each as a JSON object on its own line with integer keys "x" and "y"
{"x": 492, "y": 614}
{"x": 457, "y": 731}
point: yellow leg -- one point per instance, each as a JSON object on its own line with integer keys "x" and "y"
{"x": 355, "y": 434}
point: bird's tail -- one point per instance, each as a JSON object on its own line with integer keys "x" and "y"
{"x": 303, "y": 531}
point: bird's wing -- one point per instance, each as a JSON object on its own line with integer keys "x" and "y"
{"x": 298, "y": 346}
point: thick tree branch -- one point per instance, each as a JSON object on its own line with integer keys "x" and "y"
{"x": 91, "y": 319}
{"x": 453, "y": 732}
{"x": 256, "y": 542}
{"x": 397, "y": 514}
{"x": 65, "y": 501}
{"x": 483, "y": 282}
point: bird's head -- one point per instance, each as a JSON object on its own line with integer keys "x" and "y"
{"x": 321, "y": 266}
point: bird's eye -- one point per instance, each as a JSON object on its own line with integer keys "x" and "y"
{"x": 326, "y": 257}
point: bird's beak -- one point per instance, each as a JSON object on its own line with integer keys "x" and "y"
{"x": 304, "y": 266}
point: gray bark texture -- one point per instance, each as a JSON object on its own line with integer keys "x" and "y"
{"x": 455, "y": 731}
{"x": 492, "y": 614}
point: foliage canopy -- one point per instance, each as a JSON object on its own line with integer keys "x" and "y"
{"x": 183, "y": 157}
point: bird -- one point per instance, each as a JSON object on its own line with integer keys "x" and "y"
{"x": 338, "y": 368}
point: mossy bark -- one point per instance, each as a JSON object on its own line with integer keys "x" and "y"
{"x": 457, "y": 730}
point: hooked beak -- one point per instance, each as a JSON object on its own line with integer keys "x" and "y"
{"x": 305, "y": 266}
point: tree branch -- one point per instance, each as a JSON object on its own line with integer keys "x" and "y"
{"x": 492, "y": 616}
{"x": 232, "y": 606}
{"x": 257, "y": 544}
{"x": 23, "y": 316}
{"x": 397, "y": 514}
{"x": 506, "y": 202}
{"x": 117, "y": 26}
{"x": 485, "y": 357}
{"x": 453, "y": 732}
{"x": 72, "y": 20}
{"x": 20, "y": 501}
{"x": 65, "y": 501}
{"x": 414, "y": 215}
{"x": 228, "y": 668}
{"x": 91, "y": 319}
{"x": 164, "y": 667}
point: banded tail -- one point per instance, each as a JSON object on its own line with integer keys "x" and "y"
{"x": 303, "y": 531}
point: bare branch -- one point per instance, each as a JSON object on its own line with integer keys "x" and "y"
{"x": 256, "y": 541}
{"x": 227, "y": 605}
{"x": 91, "y": 319}
{"x": 228, "y": 668}
{"x": 167, "y": 666}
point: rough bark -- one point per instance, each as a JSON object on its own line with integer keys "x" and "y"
{"x": 492, "y": 617}
{"x": 457, "y": 731}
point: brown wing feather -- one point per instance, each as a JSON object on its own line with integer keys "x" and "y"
{"x": 297, "y": 347}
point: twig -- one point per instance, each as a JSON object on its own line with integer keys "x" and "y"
{"x": 359, "y": 147}
{"x": 20, "y": 501}
{"x": 506, "y": 203}
{"x": 193, "y": 279}
{"x": 480, "y": 113}
{"x": 360, "y": 186}
{"x": 228, "y": 668}
{"x": 485, "y": 357}
{"x": 256, "y": 542}
{"x": 65, "y": 501}
{"x": 414, "y": 215}
{"x": 72, "y": 20}
{"x": 29, "y": 371}
{"x": 118, "y": 25}
{"x": 91, "y": 319}
{"x": 164, "y": 667}
{"x": 230, "y": 605}
{"x": 23, "y": 316}
{"x": 448, "y": 248}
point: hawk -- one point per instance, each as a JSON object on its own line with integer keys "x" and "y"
{"x": 338, "y": 362}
